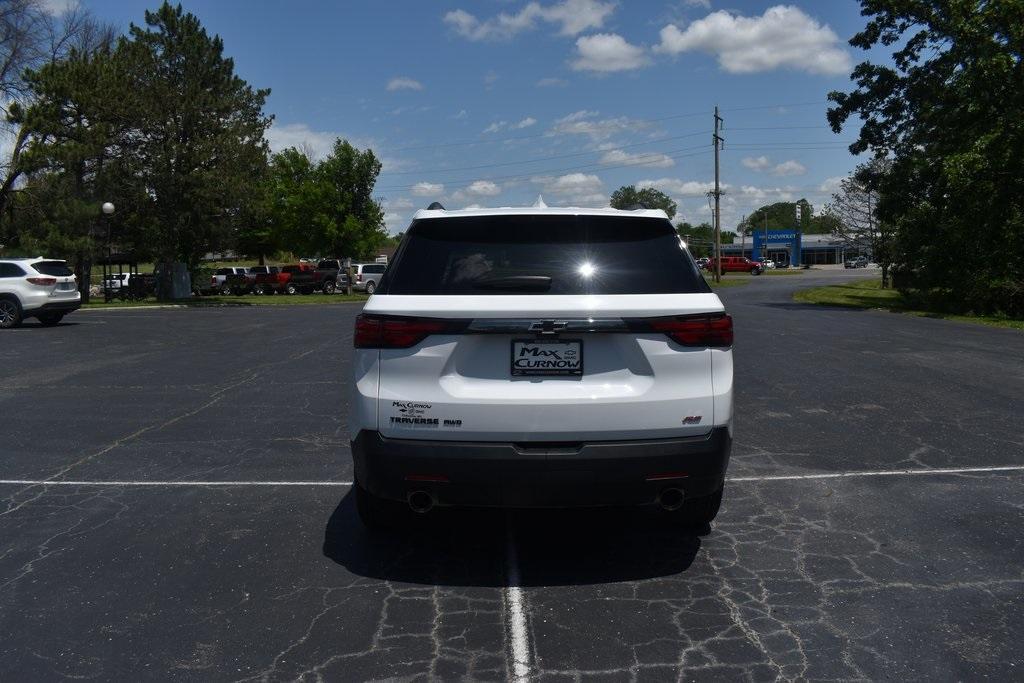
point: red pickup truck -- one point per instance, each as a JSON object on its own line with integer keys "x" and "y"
{"x": 737, "y": 264}
{"x": 279, "y": 281}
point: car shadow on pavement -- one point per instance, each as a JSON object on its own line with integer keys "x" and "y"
{"x": 473, "y": 547}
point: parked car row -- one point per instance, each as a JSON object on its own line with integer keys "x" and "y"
{"x": 327, "y": 276}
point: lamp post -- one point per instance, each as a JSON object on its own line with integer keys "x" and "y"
{"x": 107, "y": 210}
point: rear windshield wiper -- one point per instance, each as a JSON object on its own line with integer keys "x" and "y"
{"x": 538, "y": 283}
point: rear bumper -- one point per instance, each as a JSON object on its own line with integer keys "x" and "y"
{"x": 54, "y": 307}
{"x": 496, "y": 474}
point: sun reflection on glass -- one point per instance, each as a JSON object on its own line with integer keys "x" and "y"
{"x": 586, "y": 269}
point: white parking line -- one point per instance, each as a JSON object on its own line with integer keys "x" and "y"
{"x": 878, "y": 473}
{"x": 69, "y": 482}
{"x": 731, "y": 480}
{"x": 515, "y": 613}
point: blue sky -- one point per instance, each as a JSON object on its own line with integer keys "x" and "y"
{"x": 494, "y": 102}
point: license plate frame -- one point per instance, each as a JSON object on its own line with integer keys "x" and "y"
{"x": 570, "y": 371}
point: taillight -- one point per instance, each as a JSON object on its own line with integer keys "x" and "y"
{"x": 377, "y": 332}
{"x": 696, "y": 330}
{"x": 359, "y": 277}
{"x": 43, "y": 281}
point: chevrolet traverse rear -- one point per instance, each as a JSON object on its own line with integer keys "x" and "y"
{"x": 541, "y": 358}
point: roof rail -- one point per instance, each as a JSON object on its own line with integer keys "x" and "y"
{"x": 435, "y": 206}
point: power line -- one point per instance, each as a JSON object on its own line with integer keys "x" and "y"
{"x": 486, "y": 141}
{"x": 552, "y": 158}
{"x": 673, "y": 154}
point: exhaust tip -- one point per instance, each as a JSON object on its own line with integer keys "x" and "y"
{"x": 671, "y": 499}
{"x": 420, "y": 502}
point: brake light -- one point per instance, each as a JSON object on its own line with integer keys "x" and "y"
{"x": 359, "y": 277}
{"x": 42, "y": 281}
{"x": 213, "y": 280}
{"x": 697, "y": 330}
{"x": 377, "y": 332}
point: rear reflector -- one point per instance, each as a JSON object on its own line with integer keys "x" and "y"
{"x": 42, "y": 281}
{"x": 386, "y": 332}
{"x": 665, "y": 476}
{"x": 702, "y": 330}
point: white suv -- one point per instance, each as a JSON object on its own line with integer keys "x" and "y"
{"x": 541, "y": 358}
{"x": 36, "y": 288}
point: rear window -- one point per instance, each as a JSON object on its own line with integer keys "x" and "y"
{"x": 225, "y": 271}
{"x": 291, "y": 269}
{"x": 542, "y": 255}
{"x": 52, "y": 268}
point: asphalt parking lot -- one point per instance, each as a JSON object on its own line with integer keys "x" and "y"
{"x": 175, "y": 505}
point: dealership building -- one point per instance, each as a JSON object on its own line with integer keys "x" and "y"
{"x": 789, "y": 247}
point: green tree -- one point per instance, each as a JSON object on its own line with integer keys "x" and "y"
{"x": 780, "y": 216}
{"x": 648, "y": 197}
{"x": 196, "y": 132}
{"x": 325, "y": 208}
{"x": 700, "y": 239}
{"x": 355, "y": 220}
{"x": 946, "y": 114}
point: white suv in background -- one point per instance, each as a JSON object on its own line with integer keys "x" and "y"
{"x": 36, "y": 288}
{"x": 541, "y": 358}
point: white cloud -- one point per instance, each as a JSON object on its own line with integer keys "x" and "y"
{"x": 574, "y": 189}
{"x": 400, "y": 204}
{"x": 706, "y": 4}
{"x": 461, "y": 115}
{"x": 833, "y": 184}
{"x": 678, "y": 187}
{"x": 58, "y": 7}
{"x": 301, "y": 136}
{"x": 585, "y": 122}
{"x": 425, "y": 189}
{"x": 782, "y": 37}
{"x": 791, "y": 167}
{"x": 651, "y": 159}
{"x": 395, "y": 222}
{"x": 756, "y": 163}
{"x": 552, "y": 83}
{"x": 499, "y": 126}
{"x": 483, "y": 188}
{"x": 404, "y": 83}
{"x": 608, "y": 53}
{"x": 572, "y": 16}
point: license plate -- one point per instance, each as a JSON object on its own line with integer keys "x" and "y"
{"x": 66, "y": 286}
{"x": 547, "y": 357}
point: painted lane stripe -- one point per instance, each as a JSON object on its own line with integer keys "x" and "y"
{"x": 731, "y": 480}
{"x": 515, "y": 612}
{"x": 68, "y": 482}
{"x": 878, "y": 473}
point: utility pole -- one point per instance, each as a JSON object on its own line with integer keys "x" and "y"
{"x": 743, "y": 236}
{"x": 717, "y": 141}
{"x": 764, "y": 247}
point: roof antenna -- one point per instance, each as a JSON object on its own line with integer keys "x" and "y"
{"x": 539, "y": 204}
{"x": 435, "y": 206}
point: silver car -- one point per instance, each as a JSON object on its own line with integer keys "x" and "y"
{"x": 366, "y": 276}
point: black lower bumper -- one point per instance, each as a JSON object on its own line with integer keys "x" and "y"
{"x": 541, "y": 475}
{"x": 54, "y": 307}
